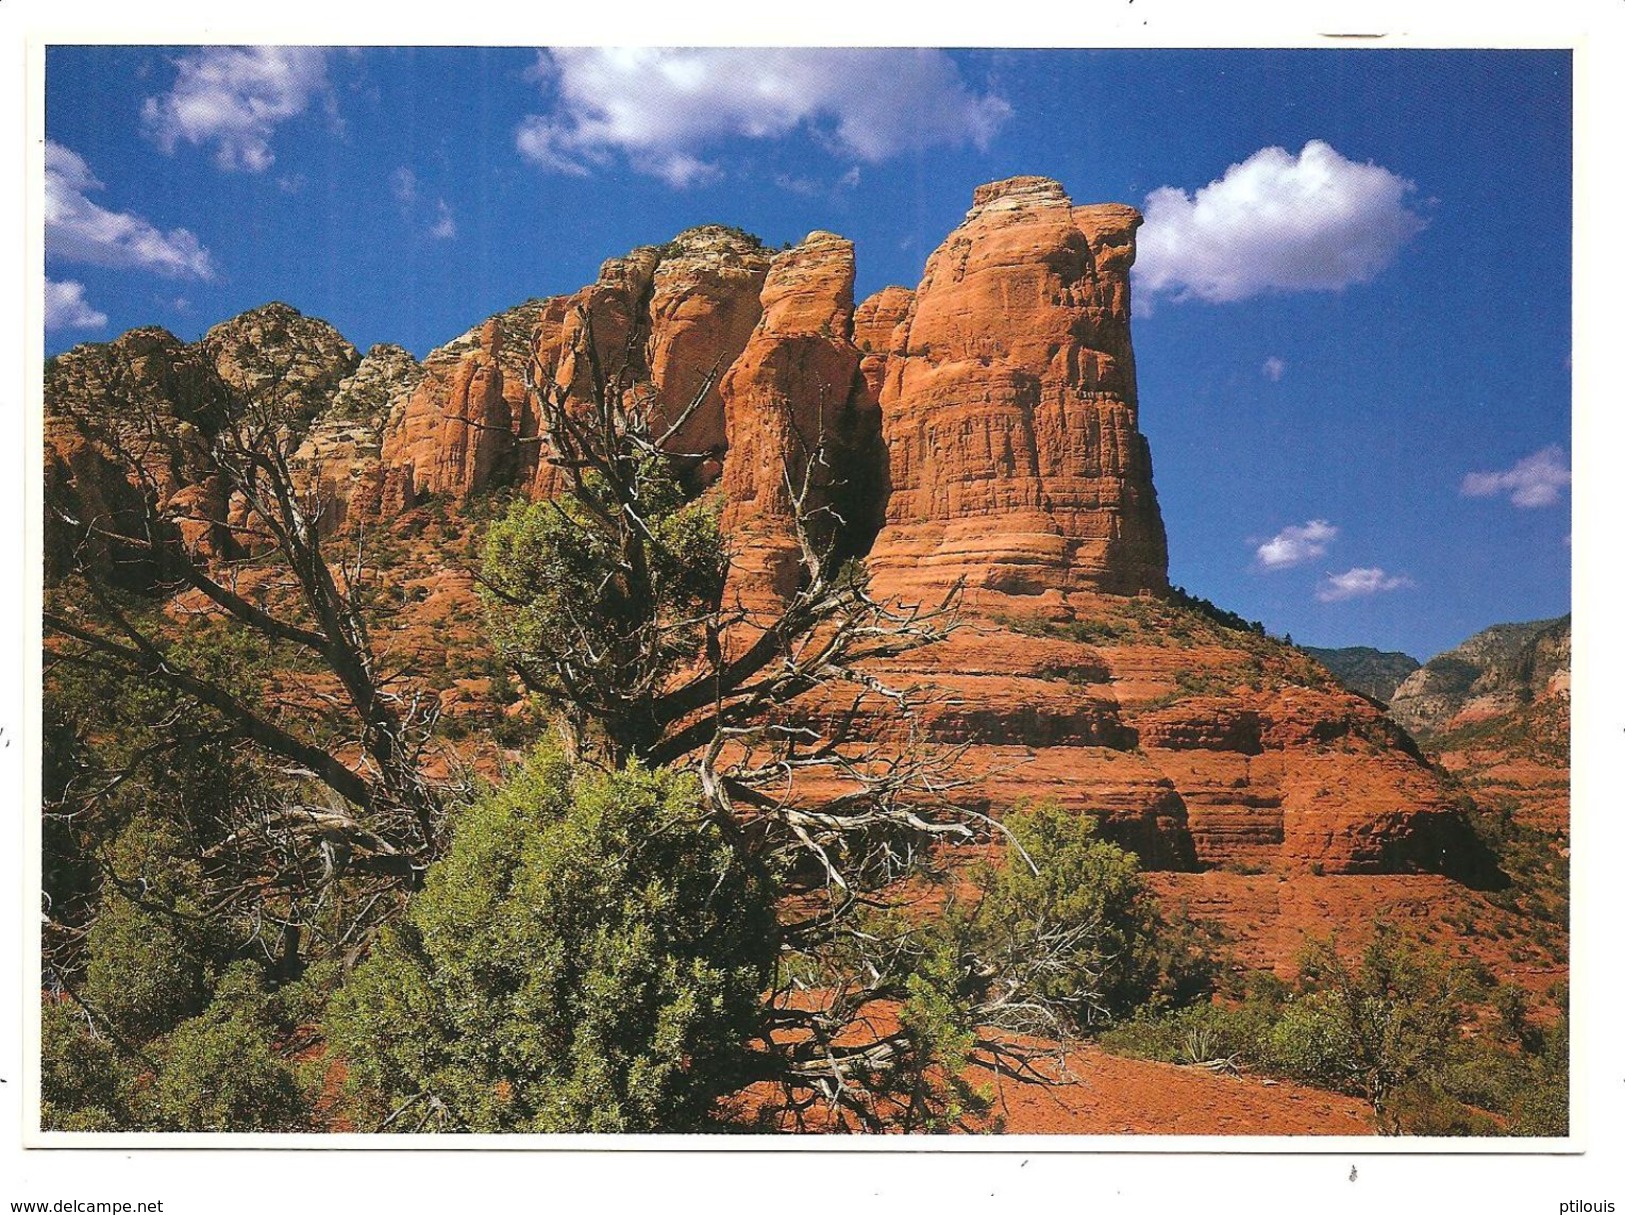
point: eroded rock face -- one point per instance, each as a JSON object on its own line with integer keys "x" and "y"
{"x": 459, "y": 431}
{"x": 1197, "y": 745}
{"x": 787, "y": 390}
{"x": 340, "y": 459}
{"x": 707, "y": 297}
{"x": 983, "y": 427}
{"x": 664, "y": 319}
{"x": 614, "y": 309}
{"x": 1009, "y": 408}
{"x": 874, "y": 330}
{"x": 277, "y": 358}
{"x": 859, "y": 452}
{"x": 146, "y": 399}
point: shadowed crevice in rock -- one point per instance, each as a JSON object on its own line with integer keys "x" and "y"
{"x": 862, "y": 477}
{"x": 1159, "y": 835}
{"x": 1442, "y": 843}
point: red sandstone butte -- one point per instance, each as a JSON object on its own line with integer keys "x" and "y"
{"x": 1009, "y": 408}
{"x": 982, "y": 427}
{"x": 662, "y": 317}
{"x": 455, "y": 436}
{"x": 874, "y": 327}
{"x": 704, "y": 307}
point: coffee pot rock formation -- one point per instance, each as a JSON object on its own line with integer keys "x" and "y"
{"x": 979, "y": 430}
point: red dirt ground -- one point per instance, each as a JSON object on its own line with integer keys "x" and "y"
{"x": 1097, "y": 1093}
{"x": 1111, "y": 1095}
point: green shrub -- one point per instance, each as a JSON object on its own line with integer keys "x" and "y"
{"x": 83, "y": 1077}
{"x": 1543, "y": 1108}
{"x": 143, "y": 975}
{"x": 1201, "y": 1033}
{"x": 589, "y": 956}
{"x": 930, "y": 1083}
{"x": 1311, "y": 1040}
{"x": 1424, "y": 1108}
{"x": 1373, "y": 1027}
{"x": 1083, "y": 883}
{"x": 598, "y": 614}
{"x": 1388, "y": 1027}
{"x": 303, "y": 1002}
{"x": 218, "y": 1072}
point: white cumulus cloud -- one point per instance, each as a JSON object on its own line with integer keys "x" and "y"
{"x": 1360, "y": 581}
{"x": 445, "y": 223}
{"x": 665, "y": 111}
{"x": 233, "y": 97}
{"x": 1536, "y": 480}
{"x": 1294, "y": 545}
{"x": 79, "y": 230}
{"x": 1275, "y": 223}
{"x": 67, "y": 308}
{"x": 1274, "y": 368}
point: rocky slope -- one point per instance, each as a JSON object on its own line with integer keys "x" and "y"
{"x": 1370, "y": 672}
{"x": 151, "y": 400}
{"x": 146, "y": 396}
{"x": 1196, "y": 744}
{"x": 1495, "y": 713}
{"x": 982, "y": 428}
{"x": 340, "y": 459}
{"x": 286, "y": 364}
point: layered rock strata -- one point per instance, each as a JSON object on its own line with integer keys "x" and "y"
{"x": 667, "y": 321}
{"x": 980, "y": 428}
{"x": 1009, "y": 408}
{"x": 455, "y": 436}
{"x": 1195, "y": 745}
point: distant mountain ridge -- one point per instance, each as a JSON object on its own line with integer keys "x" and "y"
{"x": 1361, "y": 668}
{"x": 1506, "y": 671}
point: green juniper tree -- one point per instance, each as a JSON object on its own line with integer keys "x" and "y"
{"x": 589, "y": 956}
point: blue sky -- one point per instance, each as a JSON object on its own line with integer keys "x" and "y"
{"x": 1352, "y": 301}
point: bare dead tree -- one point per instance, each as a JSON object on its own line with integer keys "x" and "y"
{"x": 679, "y": 677}
{"x": 244, "y": 545}
{"x": 775, "y": 710}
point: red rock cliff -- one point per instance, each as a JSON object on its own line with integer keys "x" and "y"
{"x": 1009, "y": 408}
{"x": 455, "y": 436}
{"x": 706, "y": 301}
{"x": 786, "y": 389}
